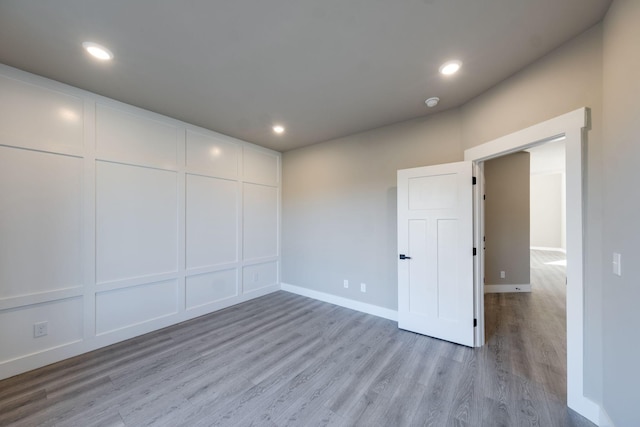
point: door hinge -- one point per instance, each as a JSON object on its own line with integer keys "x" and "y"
{"x": 474, "y": 251}
{"x": 475, "y": 323}
{"x": 484, "y": 197}
{"x": 473, "y": 180}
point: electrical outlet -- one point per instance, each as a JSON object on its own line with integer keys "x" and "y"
{"x": 255, "y": 277}
{"x": 617, "y": 264}
{"x": 345, "y": 283}
{"x": 503, "y": 275}
{"x": 363, "y": 287}
{"x": 40, "y": 329}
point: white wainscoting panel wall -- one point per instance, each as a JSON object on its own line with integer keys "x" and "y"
{"x": 259, "y": 276}
{"x": 132, "y": 305}
{"x": 212, "y": 221}
{"x": 40, "y": 118}
{"x": 260, "y": 221}
{"x": 208, "y": 288}
{"x": 213, "y": 156}
{"x": 261, "y": 167}
{"x": 16, "y": 335}
{"x": 116, "y": 221}
{"x": 135, "y": 139}
{"x": 40, "y": 222}
{"x": 136, "y": 221}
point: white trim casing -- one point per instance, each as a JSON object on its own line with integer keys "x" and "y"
{"x": 478, "y": 261}
{"x": 375, "y": 310}
{"x": 500, "y": 289}
{"x": 604, "y": 420}
{"x": 569, "y": 126}
{"x": 544, "y": 248}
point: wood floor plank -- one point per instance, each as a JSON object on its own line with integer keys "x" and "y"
{"x": 268, "y": 398}
{"x": 531, "y": 408}
{"x": 319, "y": 354}
{"x": 338, "y": 364}
{"x": 466, "y": 402}
{"x": 309, "y": 415}
{"x": 95, "y": 363}
{"x": 287, "y": 360}
{"x": 496, "y": 414}
{"x": 57, "y": 410}
{"x": 355, "y": 391}
{"x": 434, "y": 407}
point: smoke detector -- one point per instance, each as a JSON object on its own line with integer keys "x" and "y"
{"x": 432, "y": 102}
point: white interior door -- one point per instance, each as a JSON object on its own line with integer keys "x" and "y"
{"x": 435, "y": 248}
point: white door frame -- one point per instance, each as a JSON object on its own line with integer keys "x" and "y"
{"x": 572, "y": 127}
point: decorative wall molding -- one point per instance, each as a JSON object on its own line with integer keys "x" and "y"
{"x": 121, "y": 211}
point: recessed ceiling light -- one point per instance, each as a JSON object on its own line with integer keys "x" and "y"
{"x": 278, "y": 129}
{"x": 98, "y": 51}
{"x": 450, "y": 67}
{"x": 432, "y": 102}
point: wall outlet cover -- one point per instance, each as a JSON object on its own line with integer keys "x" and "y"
{"x": 40, "y": 329}
{"x": 617, "y": 264}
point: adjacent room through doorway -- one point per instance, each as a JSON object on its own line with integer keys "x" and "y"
{"x": 525, "y": 265}
{"x": 572, "y": 127}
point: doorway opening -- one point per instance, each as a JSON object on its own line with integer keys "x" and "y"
{"x": 525, "y": 286}
{"x": 572, "y": 127}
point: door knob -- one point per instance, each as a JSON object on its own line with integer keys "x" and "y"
{"x": 403, "y": 256}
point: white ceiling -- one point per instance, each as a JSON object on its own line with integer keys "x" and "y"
{"x": 323, "y": 68}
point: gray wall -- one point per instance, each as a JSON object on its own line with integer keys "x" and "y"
{"x": 547, "y": 211}
{"x": 339, "y": 218}
{"x": 339, "y": 206}
{"x": 621, "y": 295}
{"x": 506, "y": 225}
{"x": 568, "y": 78}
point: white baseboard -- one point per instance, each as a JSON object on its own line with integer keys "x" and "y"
{"x": 544, "y": 248}
{"x": 498, "y": 289}
{"x": 604, "y": 420}
{"x": 342, "y": 302}
{"x": 591, "y": 411}
{"x": 586, "y": 407}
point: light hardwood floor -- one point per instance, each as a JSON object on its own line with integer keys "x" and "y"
{"x": 286, "y": 360}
